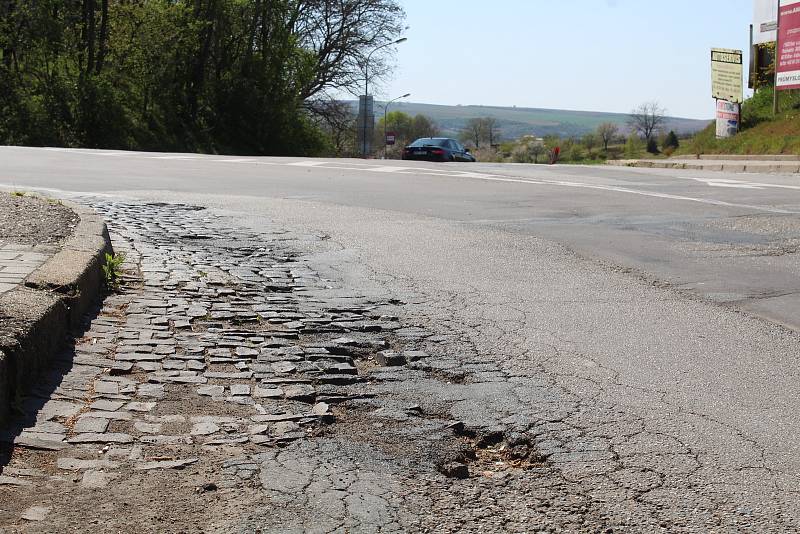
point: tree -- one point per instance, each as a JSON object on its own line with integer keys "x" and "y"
{"x": 589, "y": 141}
{"x": 647, "y": 119}
{"x": 671, "y": 141}
{"x": 490, "y": 130}
{"x": 652, "y": 146}
{"x": 423, "y": 126}
{"x": 474, "y": 131}
{"x": 537, "y": 150}
{"x": 606, "y": 132}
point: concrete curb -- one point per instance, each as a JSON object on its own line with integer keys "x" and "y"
{"x": 759, "y": 166}
{"x": 50, "y": 306}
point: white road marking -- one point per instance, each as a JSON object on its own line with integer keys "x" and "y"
{"x": 717, "y": 182}
{"x": 452, "y": 173}
{"x": 308, "y": 164}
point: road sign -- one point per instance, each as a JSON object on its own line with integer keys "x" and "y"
{"x": 391, "y": 138}
{"x": 788, "y": 66}
{"x": 726, "y": 74}
{"x": 727, "y": 119}
{"x": 765, "y": 17}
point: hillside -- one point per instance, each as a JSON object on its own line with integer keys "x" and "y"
{"x": 516, "y": 122}
{"x": 761, "y": 132}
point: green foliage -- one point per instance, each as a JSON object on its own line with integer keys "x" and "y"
{"x": 633, "y": 147}
{"x": 17, "y": 193}
{"x": 671, "y": 141}
{"x": 112, "y": 270}
{"x": 652, "y": 146}
{"x": 230, "y": 76}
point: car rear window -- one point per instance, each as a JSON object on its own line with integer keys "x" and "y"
{"x": 427, "y": 141}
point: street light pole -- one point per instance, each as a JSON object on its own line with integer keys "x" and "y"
{"x": 385, "y": 109}
{"x": 366, "y": 88}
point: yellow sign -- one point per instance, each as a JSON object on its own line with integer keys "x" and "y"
{"x": 726, "y": 75}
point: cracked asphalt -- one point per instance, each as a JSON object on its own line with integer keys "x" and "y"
{"x": 573, "y": 358}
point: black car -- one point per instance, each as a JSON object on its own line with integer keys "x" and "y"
{"x": 437, "y": 149}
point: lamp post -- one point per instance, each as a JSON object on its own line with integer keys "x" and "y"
{"x": 366, "y": 87}
{"x": 385, "y": 109}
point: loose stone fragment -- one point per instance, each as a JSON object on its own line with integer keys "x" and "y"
{"x": 299, "y": 392}
{"x": 35, "y": 513}
{"x": 267, "y": 393}
{"x": 75, "y": 464}
{"x": 109, "y": 437}
{"x": 140, "y": 406}
{"x": 454, "y": 470}
{"x": 91, "y": 424}
{"x": 204, "y": 429}
{"x": 107, "y": 405}
{"x": 166, "y": 464}
{"x": 155, "y": 391}
{"x": 211, "y": 391}
{"x": 240, "y": 389}
{"x": 13, "y": 481}
{"x": 390, "y": 359}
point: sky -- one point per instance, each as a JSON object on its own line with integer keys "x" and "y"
{"x": 594, "y": 55}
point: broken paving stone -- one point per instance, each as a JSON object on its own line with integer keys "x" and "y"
{"x": 454, "y": 470}
{"x": 110, "y": 388}
{"x": 284, "y": 367}
{"x": 240, "y": 389}
{"x": 414, "y": 355}
{"x": 35, "y": 513}
{"x": 13, "y": 481}
{"x": 106, "y": 405}
{"x": 147, "y": 428}
{"x": 299, "y": 392}
{"x": 140, "y": 406}
{"x": 91, "y": 424}
{"x": 204, "y": 429}
{"x": 93, "y": 479}
{"x": 121, "y": 368}
{"x": 167, "y": 440}
{"x": 109, "y": 437}
{"x": 389, "y": 358}
{"x": 267, "y": 393}
{"x": 246, "y": 352}
{"x": 211, "y": 391}
{"x": 229, "y": 376}
{"x": 166, "y": 464}
{"x": 76, "y": 464}
{"x": 320, "y": 408}
{"x": 155, "y": 391}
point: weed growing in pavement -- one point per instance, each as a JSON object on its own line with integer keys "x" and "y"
{"x": 112, "y": 270}
{"x": 18, "y": 193}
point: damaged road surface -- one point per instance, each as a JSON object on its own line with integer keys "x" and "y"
{"x": 227, "y": 387}
{"x": 410, "y": 349}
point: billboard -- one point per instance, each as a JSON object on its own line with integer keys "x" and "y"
{"x": 726, "y": 74}
{"x": 788, "y": 76}
{"x": 727, "y": 119}
{"x": 765, "y": 21}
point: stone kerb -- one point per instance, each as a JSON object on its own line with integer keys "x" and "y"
{"x": 53, "y": 301}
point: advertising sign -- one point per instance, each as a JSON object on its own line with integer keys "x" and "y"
{"x": 727, "y": 119}
{"x": 789, "y": 45}
{"x": 726, "y": 74}
{"x": 765, "y": 21}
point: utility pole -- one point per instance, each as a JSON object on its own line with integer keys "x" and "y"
{"x": 365, "y": 141}
{"x": 777, "y": 57}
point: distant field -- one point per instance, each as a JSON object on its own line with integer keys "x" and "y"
{"x": 516, "y": 122}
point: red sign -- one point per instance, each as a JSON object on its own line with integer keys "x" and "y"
{"x": 391, "y": 138}
{"x": 789, "y": 45}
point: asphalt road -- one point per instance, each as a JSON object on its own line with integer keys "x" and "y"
{"x": 664, "y": 298}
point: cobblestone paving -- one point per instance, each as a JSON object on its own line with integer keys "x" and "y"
{"x": 17, "y": 262}
{"x": 230, "y": 388}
